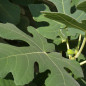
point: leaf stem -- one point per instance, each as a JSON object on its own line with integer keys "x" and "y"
{"x": 78, "y": 42}
{"x": 81, "y": 48}
{"x": 68, "y": 48}
{"x": 84, "y": 62}
{"x": 67, "y": 44}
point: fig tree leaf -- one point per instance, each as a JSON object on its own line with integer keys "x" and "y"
{"x": 74, "y": 2}
{"x": 62, "y": 33}
{"x": 20, "y": 60}
{"x": 81, "y": 57}
{"x": 24, "y": 2}
{"x": 9, "y": 12}
{"x": 73, "y": 32}
{"x": 57, "y": 41}
{"x": 48, "y": 28}
{"x": 82, "y": 6}
{"x": 82, "y": 82}
{"x": 64, "y": 7}
{"x": 65, "y": 19}
{"x": 24, "y": 23}
{"x": 4, "y": 82}
{"x": 80, "y": 1}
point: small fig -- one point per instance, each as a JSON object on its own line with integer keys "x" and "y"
{"x": 70, "y": 52}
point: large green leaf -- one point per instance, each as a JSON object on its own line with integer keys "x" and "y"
{"x": 63, "y": 6}
{"x": 4, "y": 82}
{"x": 9, "y": 12}
{"x": 20, "y": 60}
{"x": 74, "y": 2}
{"x": 48, "y": 28}
{"x": 65, "y": 19}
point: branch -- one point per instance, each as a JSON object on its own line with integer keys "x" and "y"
{"x": 81, "y": 48}
{"x": 84, "y": 62}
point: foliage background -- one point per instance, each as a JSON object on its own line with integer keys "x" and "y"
{"x": 28, "y": 37}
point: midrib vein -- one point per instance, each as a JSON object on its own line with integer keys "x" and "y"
{"x": 6, "y": 57}
{"x": 63, "y": 7}
{"x": 72, "y": 24}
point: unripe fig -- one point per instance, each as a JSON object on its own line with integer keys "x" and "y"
{"x": 70, "y": 52}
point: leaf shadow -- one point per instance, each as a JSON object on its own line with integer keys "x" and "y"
{"x": 17, "y": 43}
{"x": 81, "y": 82}
{"x": 40, "y": 78}
{"x": 9, "y": 76}
{"x": 41, "y": 24}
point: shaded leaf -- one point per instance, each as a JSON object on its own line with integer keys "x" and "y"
{"x": 82, "y": 82}
{"x": 82, "y": 6}
{"x": 57, "y": 41}
{"x": 48, "y": 28}
{"x": 24, "y": 23}
{"x": 62, "y": 33}
{"x": 81, "y": 57}
{"x": 9, "y": 12}
{"x": 24, "y": 2}
{"x": 73, "y": 32}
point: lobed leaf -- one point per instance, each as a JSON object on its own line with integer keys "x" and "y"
{"x": 45, "y": 26}
{"x": 49, "y": 28}
{"x": 63, "y": 6}
{"x": 20, "y": 60}
{"x": 65, "y": 19}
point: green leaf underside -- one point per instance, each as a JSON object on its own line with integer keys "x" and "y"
{"x": 65, "y": 19}
{"x": 9, "y": 12}
{"x": 20, "y": 60}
